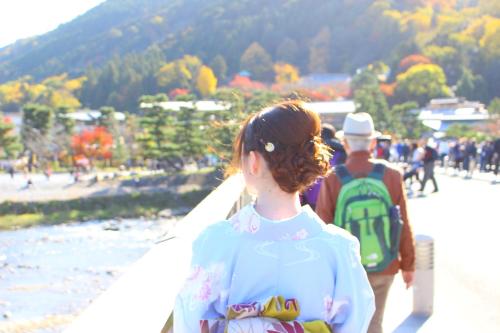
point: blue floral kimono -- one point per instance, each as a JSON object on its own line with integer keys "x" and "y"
{"x": 239, "y": 266}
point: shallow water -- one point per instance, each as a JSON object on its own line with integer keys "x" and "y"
{"x": 59, "y": 270}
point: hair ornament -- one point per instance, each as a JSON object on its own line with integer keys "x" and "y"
{"x": 269, "y": 147}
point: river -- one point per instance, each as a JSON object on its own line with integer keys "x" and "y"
{"x": 48, "y": 274}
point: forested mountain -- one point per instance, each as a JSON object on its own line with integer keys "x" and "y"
{"x": 121, "y": 44}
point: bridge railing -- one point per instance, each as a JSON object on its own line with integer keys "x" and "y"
{"x": 143, "y": 298}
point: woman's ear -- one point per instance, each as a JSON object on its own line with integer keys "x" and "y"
{"x": 253, "y": 163}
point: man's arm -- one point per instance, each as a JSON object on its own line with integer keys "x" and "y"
{"x": 407, "y": 243}
{"x": 325, "y": 205}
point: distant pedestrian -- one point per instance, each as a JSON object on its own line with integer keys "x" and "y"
{"x": 496, "y": 158}
{"x": 470, "y": 158}
{"x": 406, "y": 151}
{"x": 429, "y": 160}
{"x": 458, "y": 156}
{"x": 417, "y": 154}
{"x": 48, "y": 172}
{"x": 11, "y": 171}
{"x": 486, "y": 156}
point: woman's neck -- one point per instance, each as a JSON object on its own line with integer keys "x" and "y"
{"x": 275, "y": 204}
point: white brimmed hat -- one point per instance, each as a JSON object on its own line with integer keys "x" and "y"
{"x": 358, "y": 125}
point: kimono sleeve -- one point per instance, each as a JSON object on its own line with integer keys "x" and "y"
{"x": 353, "y": 302}
{"x": 204, "y": 294}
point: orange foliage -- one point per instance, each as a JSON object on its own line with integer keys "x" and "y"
{"x": 177, "y": 92}
{"x": 412, "y": 60}
{"x": 245, "y": 83}
{"x": 95, "y": 143}
{"x": 321, "y": 94}
{"x": 388, "y": 89}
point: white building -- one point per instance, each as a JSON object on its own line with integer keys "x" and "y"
{"x": 440, "y": 114}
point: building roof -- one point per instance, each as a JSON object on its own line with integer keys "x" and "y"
{"x": 206, "y": 106}
{"x": 91, "y": 115}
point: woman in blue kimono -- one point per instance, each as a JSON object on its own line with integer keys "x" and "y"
{"x": 275, "y": 266}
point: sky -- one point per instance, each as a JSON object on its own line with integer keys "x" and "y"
{"x": 26, "y": 18}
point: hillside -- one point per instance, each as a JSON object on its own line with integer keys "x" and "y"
{"x": 116, "y": 27}
{"x": 129, "y": 40}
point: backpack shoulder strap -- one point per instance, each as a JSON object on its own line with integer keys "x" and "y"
{"x": 377, "y": 172}
{"x": 343, "y": 174}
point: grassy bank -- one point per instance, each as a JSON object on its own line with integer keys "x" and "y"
{"x": 25, "y": 214}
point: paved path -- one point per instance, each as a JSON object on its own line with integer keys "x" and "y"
{"x": 464, "y": 220}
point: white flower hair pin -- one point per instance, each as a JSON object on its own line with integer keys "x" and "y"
{"x": 269, "y": 147}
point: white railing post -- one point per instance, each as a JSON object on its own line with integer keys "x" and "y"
{"x": 423, "y": 288}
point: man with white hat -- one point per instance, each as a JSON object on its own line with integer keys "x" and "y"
{"x": 359, "y": 138}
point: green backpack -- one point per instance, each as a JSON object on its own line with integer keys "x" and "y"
{"x": 365, "y": 209}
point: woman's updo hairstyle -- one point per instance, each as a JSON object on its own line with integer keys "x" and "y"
{"x": 287, "y": 135}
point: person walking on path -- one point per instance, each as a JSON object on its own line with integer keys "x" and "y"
{"x": 470, "y": 158}
{"x": 359, "y": 140}
{"x": 429, "y": 160}
{"x": 496, "y": 159}
{"x": 274, "y": 265}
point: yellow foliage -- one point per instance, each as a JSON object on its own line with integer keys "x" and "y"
{"x": 450, "y": 21}
{"x": 34, "y": 91}
{"x": 180, "y": 72}
{"x": 11, "y": 92}
{"x": 75, "y": 84}
{"x": 491, "y": 26}
{"x": 206, "y": 82}
{"x": 286, "y": 73}
{"x": 421, "y": 19}
{"x": 60, "y": 98}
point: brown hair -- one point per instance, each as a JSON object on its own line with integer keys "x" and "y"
{"x": 287, "y": 136}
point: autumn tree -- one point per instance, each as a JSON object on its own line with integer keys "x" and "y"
{"x": 258, "y": 62}
{"x": 94, "y": 144}
{"x": 245, "y": 83}
{"x": 286, "y": 73}
{"x": 421, "y": 83}
{"x": 412, "y": 60}
{"x": 181, "y": 73}
{"x": 206, "y": 81}
{"x": 448, "y": 57}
